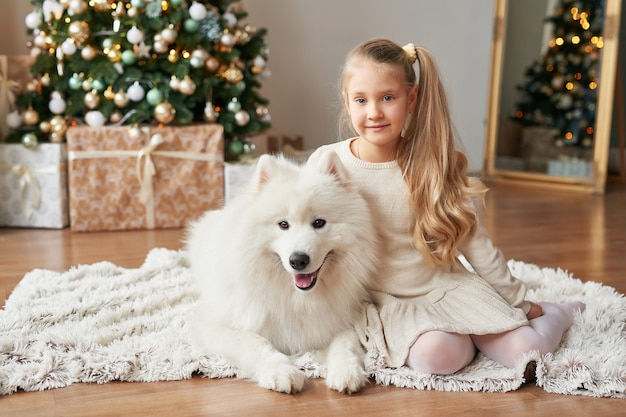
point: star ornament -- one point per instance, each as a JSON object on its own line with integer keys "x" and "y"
{"x": 142, "y": 50}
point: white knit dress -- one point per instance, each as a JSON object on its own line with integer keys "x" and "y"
{"x": 409, "y": 296}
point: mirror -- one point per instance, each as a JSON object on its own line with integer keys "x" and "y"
{"x": 551, "y": 96}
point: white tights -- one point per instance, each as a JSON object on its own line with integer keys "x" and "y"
{"x": 442, "y": 353}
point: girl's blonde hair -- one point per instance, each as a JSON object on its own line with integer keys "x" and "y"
{"x": 441, "y": 193}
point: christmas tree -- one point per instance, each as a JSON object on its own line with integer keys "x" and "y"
{"x": 560, "y": 89}
{"x": 131, "y": 62}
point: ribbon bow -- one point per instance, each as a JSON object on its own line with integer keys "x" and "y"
{"x": 28, "y": 181}
{"x": 146, "y": 176}
{"x": 8, "y": 89}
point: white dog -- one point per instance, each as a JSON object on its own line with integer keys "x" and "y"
{"x": 284, "y": 269}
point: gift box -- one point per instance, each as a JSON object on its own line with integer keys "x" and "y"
{"x": 14, "y": 76}
{"x": 236, "y": 177}
{"x": 123, "y": 178}
{"x": 33, "y": 186}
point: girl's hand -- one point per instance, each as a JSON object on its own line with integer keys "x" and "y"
{"x": 534, "y": 312}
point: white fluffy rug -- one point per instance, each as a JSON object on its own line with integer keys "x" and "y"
{"x": 99, "y": 323}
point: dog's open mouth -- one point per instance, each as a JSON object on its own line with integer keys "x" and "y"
{"x": 305, "y": 282}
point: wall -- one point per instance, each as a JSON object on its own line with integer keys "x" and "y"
{"x": 309, "y": 40}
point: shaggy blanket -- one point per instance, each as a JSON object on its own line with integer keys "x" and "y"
{"x": 99, "y": 323}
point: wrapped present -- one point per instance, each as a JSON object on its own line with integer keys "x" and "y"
{"x": 33, "y": 186}
{"x": 14, "y": 76}
{"x": 124, "y": 178}
{"x": 236, "y": 177}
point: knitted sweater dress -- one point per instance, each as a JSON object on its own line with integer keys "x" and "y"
{"x": 410, "y": 297}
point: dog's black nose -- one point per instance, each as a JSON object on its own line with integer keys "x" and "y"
{"x": 299, "y": 260}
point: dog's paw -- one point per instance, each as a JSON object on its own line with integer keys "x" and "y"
{"x": 346, "y": 379}
{"x": 283, "y": 377}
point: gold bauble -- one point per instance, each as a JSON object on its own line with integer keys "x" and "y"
{"x": 45, "y": 126}
{"x": 121, "y": 99}
{"x": 187, "y": 86}
{"x": 164, "y": 112}
{"x": 91, "y": 100}
{"x": 56, "y": 137}
{"x": 109, "y": 94}
{"x": 212, "y": 64}
{"x": 79, "y": 31}
{"x": 30, "y": 117}
{"x": 100, "y": 5}
{"x": 233, "y": 75}
{"x": 58, "y": 125}
{"x": 115, "y": 55}
{"x": 115, "y": 117}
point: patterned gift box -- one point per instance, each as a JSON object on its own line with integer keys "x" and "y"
{"x": 124, "y": 178}
{"x": 33, "y": 186}
{"x": 236, "y": 177}
{"x": 14, "y": 76}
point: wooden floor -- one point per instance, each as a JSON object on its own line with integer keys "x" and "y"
{"x": 585, "y": 234}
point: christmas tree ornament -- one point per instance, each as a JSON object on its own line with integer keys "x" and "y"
{"x": 234, "y": 105}
{"x": 134, "y": 35}
{"x": 235, "y": 147}
{"x": 233, "y": 74}
{"x": 174, "y": 83}
{"x": 52, "y": 10}
{"x": 95, "y": 118}
{"x": 242, "y": 118}
{"x": 154, "y": 96}
{"x": 91, "y": 100}
{"x": 33, "y": 20}
{"x": 78, "y": 31}
{"x": 128, "y": 57}
{"x": 115, "y": 117}
{"x": 58, "y": 125}
{"x": 30, "y": 141}
{"x": 77, "y": 6}
{"x": 136, "y": 92}
{"x": 187, "y": 86}
{"x": 212, "y": 64}
{"x": 86, "y": 84}
{"x": 137, "y": 3}
{"x": 191, "y": 25}
{"x": 69, "y": 47}
{"x": 197, "y": 11}
{"x": 230, "y": 20}
{"x": 30, "y": 116}
{"x": 88, "y": 52}
{"x": 121, "y": 99}
{"x": 44, "y": 126}
{"x": 210, "y": 115}
{"x": 172, "y": 56}
{"x": 169, "y": 35}
{"x": 45, "y": 80}
{"x": 57, "y": 105}
{"x": 164, "y": 112}
{"x": 14, "y": 119}
{"x": 228, "y": 40}
{"x": 100, "y": 5}
{"x": 109, "y": 94}
{"x": 97, "y": 84}
{"x": 75, "y": 83}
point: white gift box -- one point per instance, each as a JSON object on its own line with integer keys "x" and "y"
{"x": 33, "y": 186}
{"x": 237, "y": 176}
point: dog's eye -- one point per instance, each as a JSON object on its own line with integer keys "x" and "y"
{"x": 283, "y": 224}
{"x": 318, "y": 223}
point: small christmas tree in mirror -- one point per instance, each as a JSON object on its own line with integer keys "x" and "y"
{"x": 132, "y": 62}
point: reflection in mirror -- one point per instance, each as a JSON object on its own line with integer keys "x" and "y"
{"x": 550, "y": 73}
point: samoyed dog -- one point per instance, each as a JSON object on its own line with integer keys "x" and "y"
{"x": 284, "y": 269}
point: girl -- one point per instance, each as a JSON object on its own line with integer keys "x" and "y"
{"x": 431, "y": 312}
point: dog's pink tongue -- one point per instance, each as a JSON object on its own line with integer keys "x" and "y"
{"x": 304, "y": 281}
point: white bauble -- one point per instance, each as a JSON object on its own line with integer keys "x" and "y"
{"x": 68, "y": 47}
{"x": 14, "y": 119}
{"x": 197, "y": 11}
{"x": 77, "y": 6}
{"x": 95, "y": 118}
{"x": 33, "y": 20}
{"x": 169, "y": 35}
{"x": 134, "y": 35}
{"x": 57, "y": 105}
{"x": 135, "y": 92}
{"x": 230, "y": 19}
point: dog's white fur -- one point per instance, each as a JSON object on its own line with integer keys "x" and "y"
{"x": 250, "y": 262}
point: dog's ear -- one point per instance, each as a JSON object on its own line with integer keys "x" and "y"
{"x": 329, "y": 163}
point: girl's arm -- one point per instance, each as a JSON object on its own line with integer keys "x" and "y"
{"x": 489, "y": 262}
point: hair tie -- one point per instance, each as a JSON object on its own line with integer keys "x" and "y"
{"x": 411, "y": 50}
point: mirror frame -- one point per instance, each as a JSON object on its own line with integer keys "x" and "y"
{"x": 597, "y": 182}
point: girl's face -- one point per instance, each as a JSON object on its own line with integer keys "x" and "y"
{"x": 378, "y": 102}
